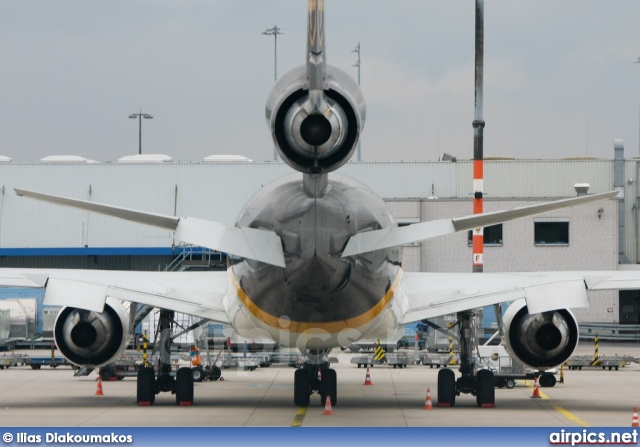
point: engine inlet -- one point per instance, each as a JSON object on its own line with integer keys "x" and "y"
{"x": 315, "y": 130}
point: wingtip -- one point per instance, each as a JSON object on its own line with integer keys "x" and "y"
{"x": 19, "y": 192}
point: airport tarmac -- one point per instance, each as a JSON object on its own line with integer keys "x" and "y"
{"x": 264, "y": 398}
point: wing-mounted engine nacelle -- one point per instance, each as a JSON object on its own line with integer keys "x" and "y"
{"x": 315, "y": 131}
{"x": 88, "y": 338}
{"x": 541, "y": 341}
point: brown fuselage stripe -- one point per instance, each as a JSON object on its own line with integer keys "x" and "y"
{"x": 300, "y": 326}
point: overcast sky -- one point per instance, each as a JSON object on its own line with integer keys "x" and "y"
{"x": 559, "y": 75}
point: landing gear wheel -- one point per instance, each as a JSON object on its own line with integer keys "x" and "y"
{"x": 485, "y": 390}
{"x": 301, "y": 388}
{"x": 197, "y": 373}
{"x": 146, "y": 394}
{"x": 184, "y": 386}
{"x": 547, "y": 380}
{"x": 216, "y": 373}
{"x": 446, "y": 388}
{"x": 329, "y": 387}
{"x": 107, "y": 372}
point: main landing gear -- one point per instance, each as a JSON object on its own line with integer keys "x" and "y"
{"x": 315, "y": 376}
{"x": 480, "y": 384}
{"x": 149, "y": 385}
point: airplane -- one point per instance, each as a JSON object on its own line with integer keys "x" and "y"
{"x": 315, "y": 262}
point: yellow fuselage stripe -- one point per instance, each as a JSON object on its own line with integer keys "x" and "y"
{"x": 302, "y": 326}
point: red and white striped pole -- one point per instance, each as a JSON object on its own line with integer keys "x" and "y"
{"x": 478, "y": 204}
{"x": 478, "y": 152}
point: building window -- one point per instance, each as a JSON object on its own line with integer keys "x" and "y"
{"x": 492, "y": 235}
{"x": 551, "y": 232}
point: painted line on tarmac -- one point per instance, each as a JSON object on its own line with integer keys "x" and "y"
{"x": 297, "y": 421}
{"x": 566, "y": 413}
{"x": 570, "y": 416}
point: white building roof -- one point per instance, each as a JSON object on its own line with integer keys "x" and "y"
{"x": 66, "y": 159}
{"x": 227, "y": 159}
{"x": 146, "y": 158}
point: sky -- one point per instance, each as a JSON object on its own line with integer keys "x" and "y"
{"x": 559, "y": 76}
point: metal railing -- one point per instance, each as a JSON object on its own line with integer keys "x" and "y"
{"x": 610, "y": 331}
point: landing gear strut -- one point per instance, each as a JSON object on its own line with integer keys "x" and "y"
{"x": 306, "y": 380}
{"x": 480, "y": 384}
{"x": 149, "y": 385}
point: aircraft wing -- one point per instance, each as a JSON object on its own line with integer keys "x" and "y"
{"x": 391, "y": 237}
{"x": 435, "y": 294}
{"x": 260, "y": 245}
{"x": 194, "y": 293}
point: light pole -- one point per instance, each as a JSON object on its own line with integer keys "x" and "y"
{"x": 357, "y": 64}
{"x": 140, "y": 116}
{"x": 637, "y": 61}
{"x": 274, "y": 32}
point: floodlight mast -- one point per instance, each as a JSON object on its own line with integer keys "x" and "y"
{"x": 140, "y": 115}
{"x": 274, "y": 32}
{"x": 357, "y": 64}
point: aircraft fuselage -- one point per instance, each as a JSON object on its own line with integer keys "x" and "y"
{"x": 320, "y": 300}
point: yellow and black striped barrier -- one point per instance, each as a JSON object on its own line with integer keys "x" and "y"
{"x": 452, "y": 359}
{"x": 379, "y": 353}
{"x": 596, "y": 358}
{"x": 144, "y": 350}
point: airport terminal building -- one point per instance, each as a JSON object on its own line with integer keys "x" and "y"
{"x": 597, "y": 236}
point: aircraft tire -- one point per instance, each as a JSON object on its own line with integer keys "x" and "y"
{"x": 301, "y": 387}
{"x": 145, "y": 386}
{"x": 485, "y": 388}
{"x": 329, "y": 387}
{"x": 216, "y": 373}
{"x": 184, "y": 386}
{"x": 446, "y": 388}
{"x": 547, "y": 380}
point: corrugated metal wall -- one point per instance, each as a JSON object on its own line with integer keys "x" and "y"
{"x": 536, "y": 178}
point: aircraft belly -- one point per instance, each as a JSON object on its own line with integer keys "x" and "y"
{"x": 383, "y": 326}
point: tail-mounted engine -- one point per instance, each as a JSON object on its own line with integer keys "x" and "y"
{"x": 315, "y": 131}
{"x": 541, "y": 341}
{"x": 88, "y": 338}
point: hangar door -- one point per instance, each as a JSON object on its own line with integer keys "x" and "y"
{"x": 629, "y": 306}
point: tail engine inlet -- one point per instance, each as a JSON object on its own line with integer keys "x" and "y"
{"x": 315, "y": 131}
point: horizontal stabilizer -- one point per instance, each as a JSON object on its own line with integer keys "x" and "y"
{"x": 143, "y": 217}
{"x": 391, "y": 237}
{"x": 260, "y": 245}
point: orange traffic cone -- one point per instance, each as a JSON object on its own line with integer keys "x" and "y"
{"x": 536, "y": 390}
{"x": 427, "y": 403}
{"x": 367, "y": 379}
{"x": 99, "y": 390}
{"x": 634, "y": 421}
{"x": 327, "y": 407}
